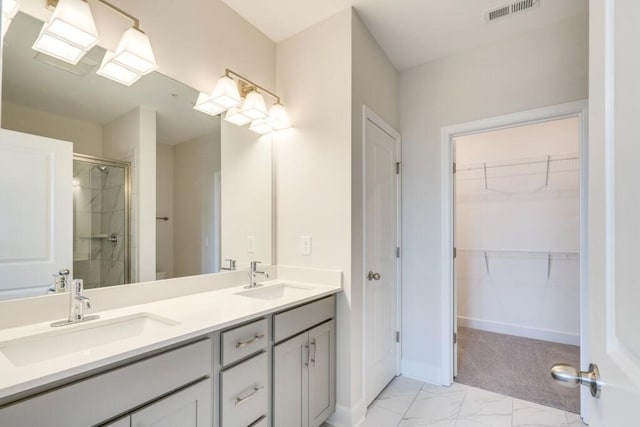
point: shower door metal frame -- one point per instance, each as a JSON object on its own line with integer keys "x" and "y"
{"x": 127, "y": 203}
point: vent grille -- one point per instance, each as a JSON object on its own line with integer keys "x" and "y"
{"x": 511, "y": 9}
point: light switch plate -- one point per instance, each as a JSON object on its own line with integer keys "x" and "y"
{"x": 251, "y": 244}
{"x": 305, "y": 245}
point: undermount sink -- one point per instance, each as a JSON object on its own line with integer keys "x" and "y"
{"x": 271, "y": 292}
{"x": 81, "y": 338}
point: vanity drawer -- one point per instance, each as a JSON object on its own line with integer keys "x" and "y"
{"x": 244, "y": 395}
{"x": 296, "y": 320}
{"x": 98, "y": 398}
{"x": 243, "y": 341}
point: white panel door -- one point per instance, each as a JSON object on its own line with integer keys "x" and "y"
{"x": 36, "y": 218}
{"x": 380, "y": 259}
{"x": 614, "y": 211}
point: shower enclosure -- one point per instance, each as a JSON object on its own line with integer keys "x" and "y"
{"x": 101, "y": 206}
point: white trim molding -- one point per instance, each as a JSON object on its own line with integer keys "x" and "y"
{"x": 519, "y": 330}
{"x": 571, "y": 109}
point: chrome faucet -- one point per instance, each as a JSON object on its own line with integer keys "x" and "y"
{"x": 253, "y": 274}
{"x": 77, "y": 304}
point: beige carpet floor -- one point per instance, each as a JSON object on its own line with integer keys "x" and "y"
{"x": 516, "y": 366}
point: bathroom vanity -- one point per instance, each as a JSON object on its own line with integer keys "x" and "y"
{"x": 230, "y": 357}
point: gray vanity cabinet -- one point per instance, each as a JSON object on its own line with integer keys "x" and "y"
{"x": 190, "y": 407}
{"x": 170, "y": 384}
{"x": 303, "y": 378}
{"x": 304, "y": 364}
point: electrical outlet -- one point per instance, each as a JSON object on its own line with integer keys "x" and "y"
{"x": 305, "y": 245}
{"x": 251, "y": 244}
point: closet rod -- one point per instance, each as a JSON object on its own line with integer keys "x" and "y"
{"x": 486, "y": 166}
{"x": 514, "y": 251}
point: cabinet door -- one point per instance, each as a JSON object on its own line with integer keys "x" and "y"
{"x": 321, "y": 373}
{"x": 290, "y": 382}
{"x": 190, "y": 407}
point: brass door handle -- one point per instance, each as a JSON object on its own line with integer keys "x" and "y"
{"x": 373, "y": 276}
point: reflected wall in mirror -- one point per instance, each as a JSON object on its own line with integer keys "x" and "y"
{"x": 211, "y": 181}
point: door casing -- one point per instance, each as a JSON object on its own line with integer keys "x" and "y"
{"x": 448, "y": 133}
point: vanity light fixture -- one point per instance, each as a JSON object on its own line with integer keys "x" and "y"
{"x": 260, "y": 126}
{"x": 9, "y": 10}
{"x": 133, "y": 58}
{"x": 254, "y": 107}
{"x": 235, "y": 116}
{"x": 229, "y": 95}
{"x": 70, "y": 33}
{"x": 278, "y": 118}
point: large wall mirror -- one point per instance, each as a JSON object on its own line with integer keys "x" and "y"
{"x": 204, "y": 199}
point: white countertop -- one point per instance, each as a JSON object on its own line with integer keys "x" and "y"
{"x": 196, "y": 315}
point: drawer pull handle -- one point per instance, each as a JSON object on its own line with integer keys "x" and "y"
{"x": 256, "y": 389}
{"x": 313, "y": 358}
{"x": 258, "y": 421}
{"x": 257, "y": 338}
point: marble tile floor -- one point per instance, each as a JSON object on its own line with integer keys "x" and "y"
{"x": 407, "y": 402}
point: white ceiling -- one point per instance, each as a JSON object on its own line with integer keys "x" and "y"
{"x": 411, "y": 32}
{"x": 31, "y": 83}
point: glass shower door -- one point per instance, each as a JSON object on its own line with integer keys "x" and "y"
{"x": 100, "y": 221}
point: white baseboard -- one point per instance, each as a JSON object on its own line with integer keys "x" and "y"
{"x": 423, "y": 372}
{"x": 348, "y": 416}
{"x": 519, "y": 330}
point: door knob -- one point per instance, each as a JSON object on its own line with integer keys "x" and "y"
{"x": 373, "y": 276}
{"x": 569, "y": 376}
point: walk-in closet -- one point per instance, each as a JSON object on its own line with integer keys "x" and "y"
{"x": 518, "y": 238}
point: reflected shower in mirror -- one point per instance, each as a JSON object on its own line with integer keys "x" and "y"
{"x": 183, "y": 165}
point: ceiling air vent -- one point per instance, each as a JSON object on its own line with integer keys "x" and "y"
{"x": 511, "y": 9}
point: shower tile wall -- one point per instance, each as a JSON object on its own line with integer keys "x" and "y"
{"x": 98, "y": 215}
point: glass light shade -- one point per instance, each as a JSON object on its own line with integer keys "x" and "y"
{"x": 135, "y": 53}
{"x": 116, "y": 72}
{"x": 205, "y": 105}
{"x": 57, "y": 48}
{"x": 253, "y": 107}
{"x": 226, "y": 93}
{"x": 234, "y": 116}
{"x": 278, "y": 118}
{"x": 260, "y": 126}
{"x": 73, "y": 26}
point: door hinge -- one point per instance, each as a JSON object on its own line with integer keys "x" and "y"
{"x": 455, "y": 338}
{"x": 397, "y": 251}
{"x": 455, "y": 253}
{"x": 397, "y": 168}
{"x": 397, "y": 336}
{"x": 455, "y": 167}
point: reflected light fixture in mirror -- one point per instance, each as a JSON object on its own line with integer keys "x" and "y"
{"x": 260, "y": 126}
{"x": 204, "y": 104}
{"x": 70, "y": 33}
{"x": 228, "y": 97}
{"x": 9, "y": 10}
{"x": 235, "y": 116}
{"x": 132, "y": 59}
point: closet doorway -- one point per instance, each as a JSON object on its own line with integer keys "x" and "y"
{"x": 517, "y": 226}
